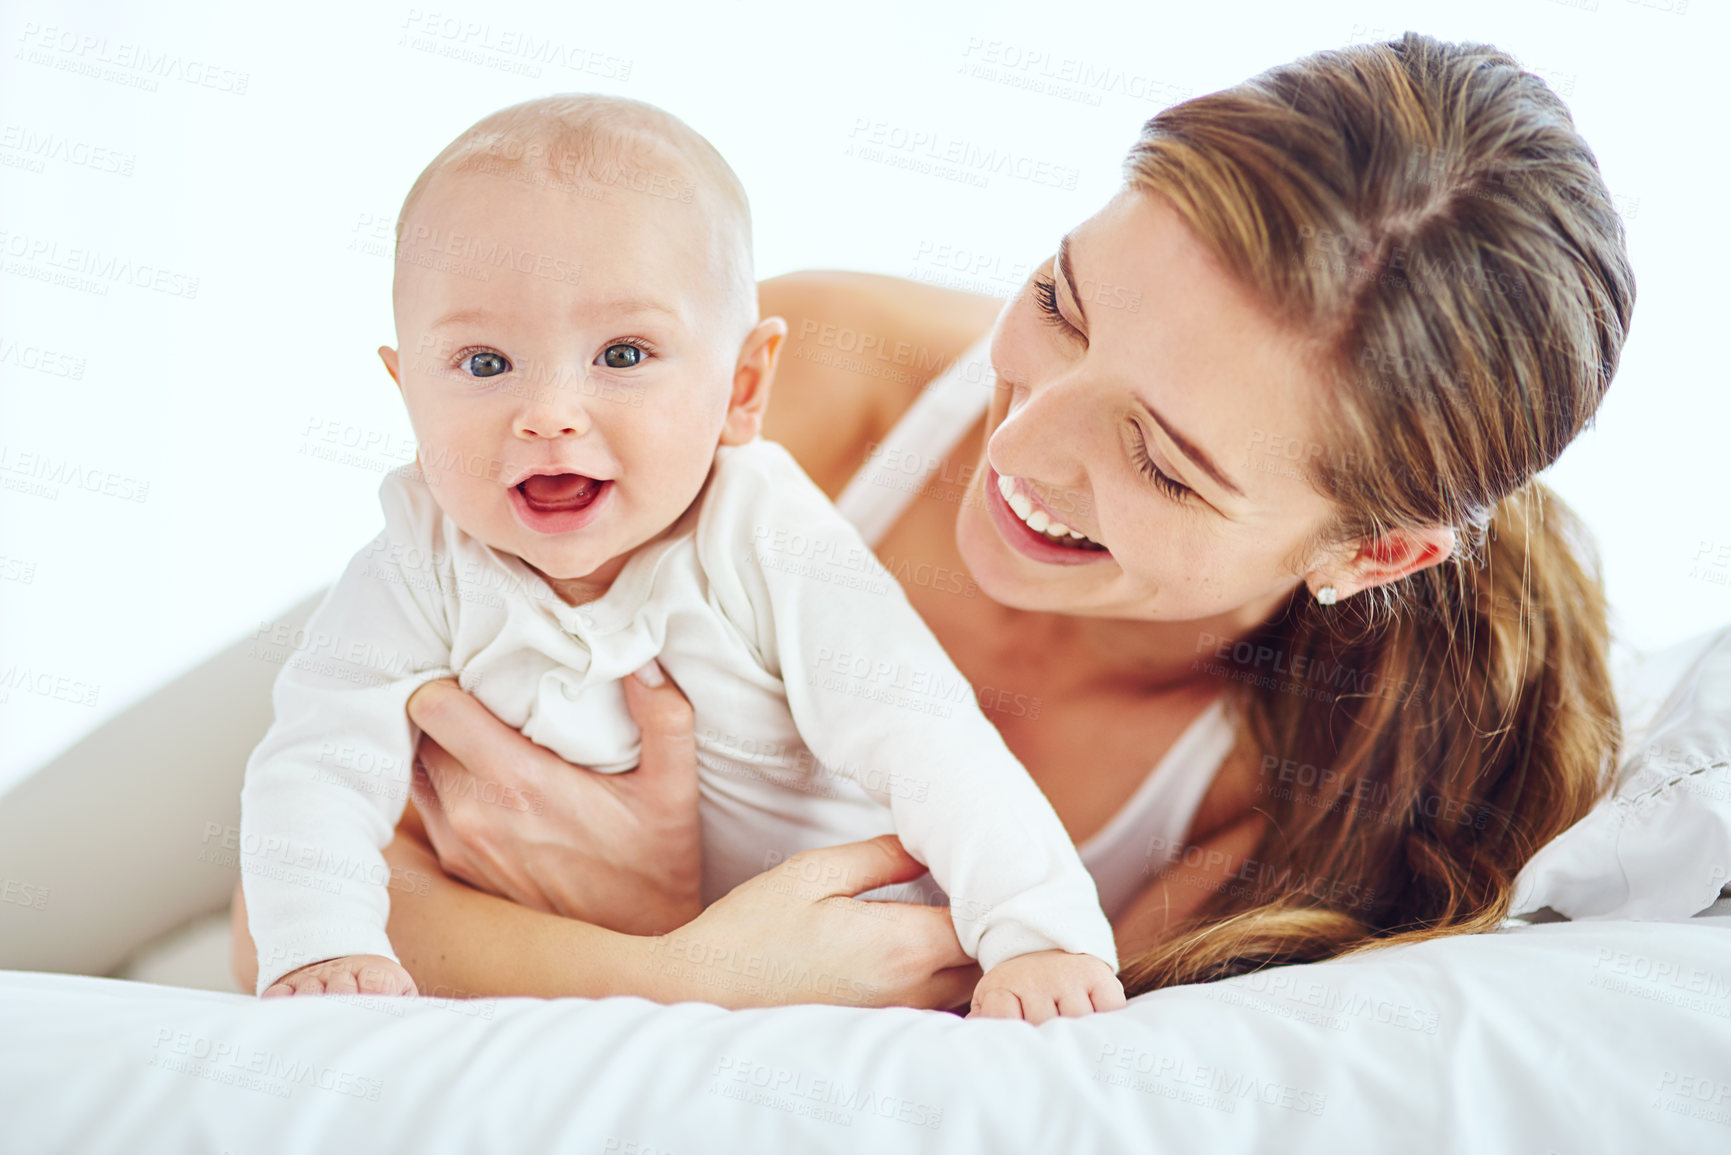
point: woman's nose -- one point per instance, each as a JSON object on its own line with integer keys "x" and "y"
{"x": 1047, "y": 432}
{"x": 1055, "y": 437}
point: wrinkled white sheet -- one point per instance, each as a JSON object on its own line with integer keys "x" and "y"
{"x": 1572, "y": 1037}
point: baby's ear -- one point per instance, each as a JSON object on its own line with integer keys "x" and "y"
{"x": 752, "y": 378}
{"x": 389, "y": 356}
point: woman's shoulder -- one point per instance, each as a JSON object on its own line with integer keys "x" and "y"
{"x": 859, "y": 349}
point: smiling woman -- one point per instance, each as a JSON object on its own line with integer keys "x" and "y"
{"x": 1429, "y": 208}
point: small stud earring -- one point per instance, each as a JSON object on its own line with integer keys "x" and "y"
{"x": 1325, "y": 596}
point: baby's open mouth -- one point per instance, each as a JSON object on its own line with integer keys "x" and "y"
{"x": 560, "y": 492}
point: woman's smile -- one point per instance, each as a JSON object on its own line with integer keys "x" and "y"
{"x": 1027, "y": 528}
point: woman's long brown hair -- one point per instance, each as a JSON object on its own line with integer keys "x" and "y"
{"x": 1428, "y": 215}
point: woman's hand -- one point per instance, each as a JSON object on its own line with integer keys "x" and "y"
{"x": 514, "y": 819}
{"x": 792, "y": 935}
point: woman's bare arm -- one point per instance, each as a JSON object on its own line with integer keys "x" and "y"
{"x": 507, "y": 948}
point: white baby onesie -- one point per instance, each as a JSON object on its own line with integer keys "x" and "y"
{"x": 826, "y": 712}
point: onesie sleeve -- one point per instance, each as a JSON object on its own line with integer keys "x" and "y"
{"x": 878, "y": 701}
{"x": 326, "y": 786}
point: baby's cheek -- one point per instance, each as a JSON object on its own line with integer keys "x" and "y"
{"x": 475, "y": 505}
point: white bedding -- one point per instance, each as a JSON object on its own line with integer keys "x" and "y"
{"x": 1600, "y": 1034}
{"x": 1565, "y": 1037}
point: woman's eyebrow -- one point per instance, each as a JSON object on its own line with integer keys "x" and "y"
{"x": 1191, "y": 450}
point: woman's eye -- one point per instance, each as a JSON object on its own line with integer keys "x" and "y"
{"x": 1046, "y": 298}
{"x": 621, "y": 356}
{"x": 486, "y": 364}
{"x": 1172, "y": 488}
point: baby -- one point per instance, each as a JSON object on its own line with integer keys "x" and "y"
{"x": 586, "y": 374}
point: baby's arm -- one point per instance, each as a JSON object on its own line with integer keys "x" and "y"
{"x": 878, "y": 700}
{"x": 326, "y": 786}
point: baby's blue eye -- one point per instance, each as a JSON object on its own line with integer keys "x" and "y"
{"x": 621, "y": 356}
{"x": 487, "y": 364}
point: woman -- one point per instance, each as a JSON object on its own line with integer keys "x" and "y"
{"x": 1292, "y": 386}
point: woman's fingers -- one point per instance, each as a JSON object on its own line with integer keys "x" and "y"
{"x": 893, "y": 953}
{"x": 434, "y": 765}
{"x": 468, "y": 730}
{"x": 449, "y": 724}
{"x": 512, "y": 818}
{"x": 434, "y": 821}
{"x": 854, "y": 867}
{"x": 456, "y": 805}
{"x": 430, "y": 704}
{"x": 935, "y": 932}
{"x": 664, "y": 716}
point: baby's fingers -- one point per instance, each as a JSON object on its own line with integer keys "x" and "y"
{"x": 1064, "y": 997}
{"x": 1108, "y": 994}
{"x": 1076, "y": 1001}
{"x": 350, "y": 975}
{"x": 381, "y": 977}
{"x": 995, "y": 1003}
{"x": 295, "y": 984}
{"x": 1085, "y": 989}
{"x": 342, "y": 981}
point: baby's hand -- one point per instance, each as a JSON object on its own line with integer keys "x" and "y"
{"x": 355, "y": 974}
{"x": 1046, "y": 983}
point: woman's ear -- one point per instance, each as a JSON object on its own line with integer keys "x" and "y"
{"x": 1391, "y": 556}
{"x": 752, "y": 377}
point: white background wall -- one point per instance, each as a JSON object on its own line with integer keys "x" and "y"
{"x": 236, "y": 158}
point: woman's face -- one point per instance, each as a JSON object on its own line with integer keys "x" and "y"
{"x": 1148, "y": 402}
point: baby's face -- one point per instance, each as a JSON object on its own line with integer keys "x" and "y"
{"x": 543, "y": 333}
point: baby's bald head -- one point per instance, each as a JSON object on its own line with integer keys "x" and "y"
{"x": 596, "y": 147}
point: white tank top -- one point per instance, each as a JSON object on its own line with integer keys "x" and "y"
{"x": 1148, "y": 832}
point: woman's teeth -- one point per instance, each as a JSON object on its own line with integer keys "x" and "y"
{"x": 1040, "y": 521}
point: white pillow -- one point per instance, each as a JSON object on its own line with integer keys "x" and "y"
{"x": 1658, "y": 846}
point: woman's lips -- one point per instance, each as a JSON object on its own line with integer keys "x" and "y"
{"x": 560, "y": 503}
{"x": 1024, "y": 540}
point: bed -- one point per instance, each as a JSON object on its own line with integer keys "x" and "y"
{"x": 1599, "y": 1019}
